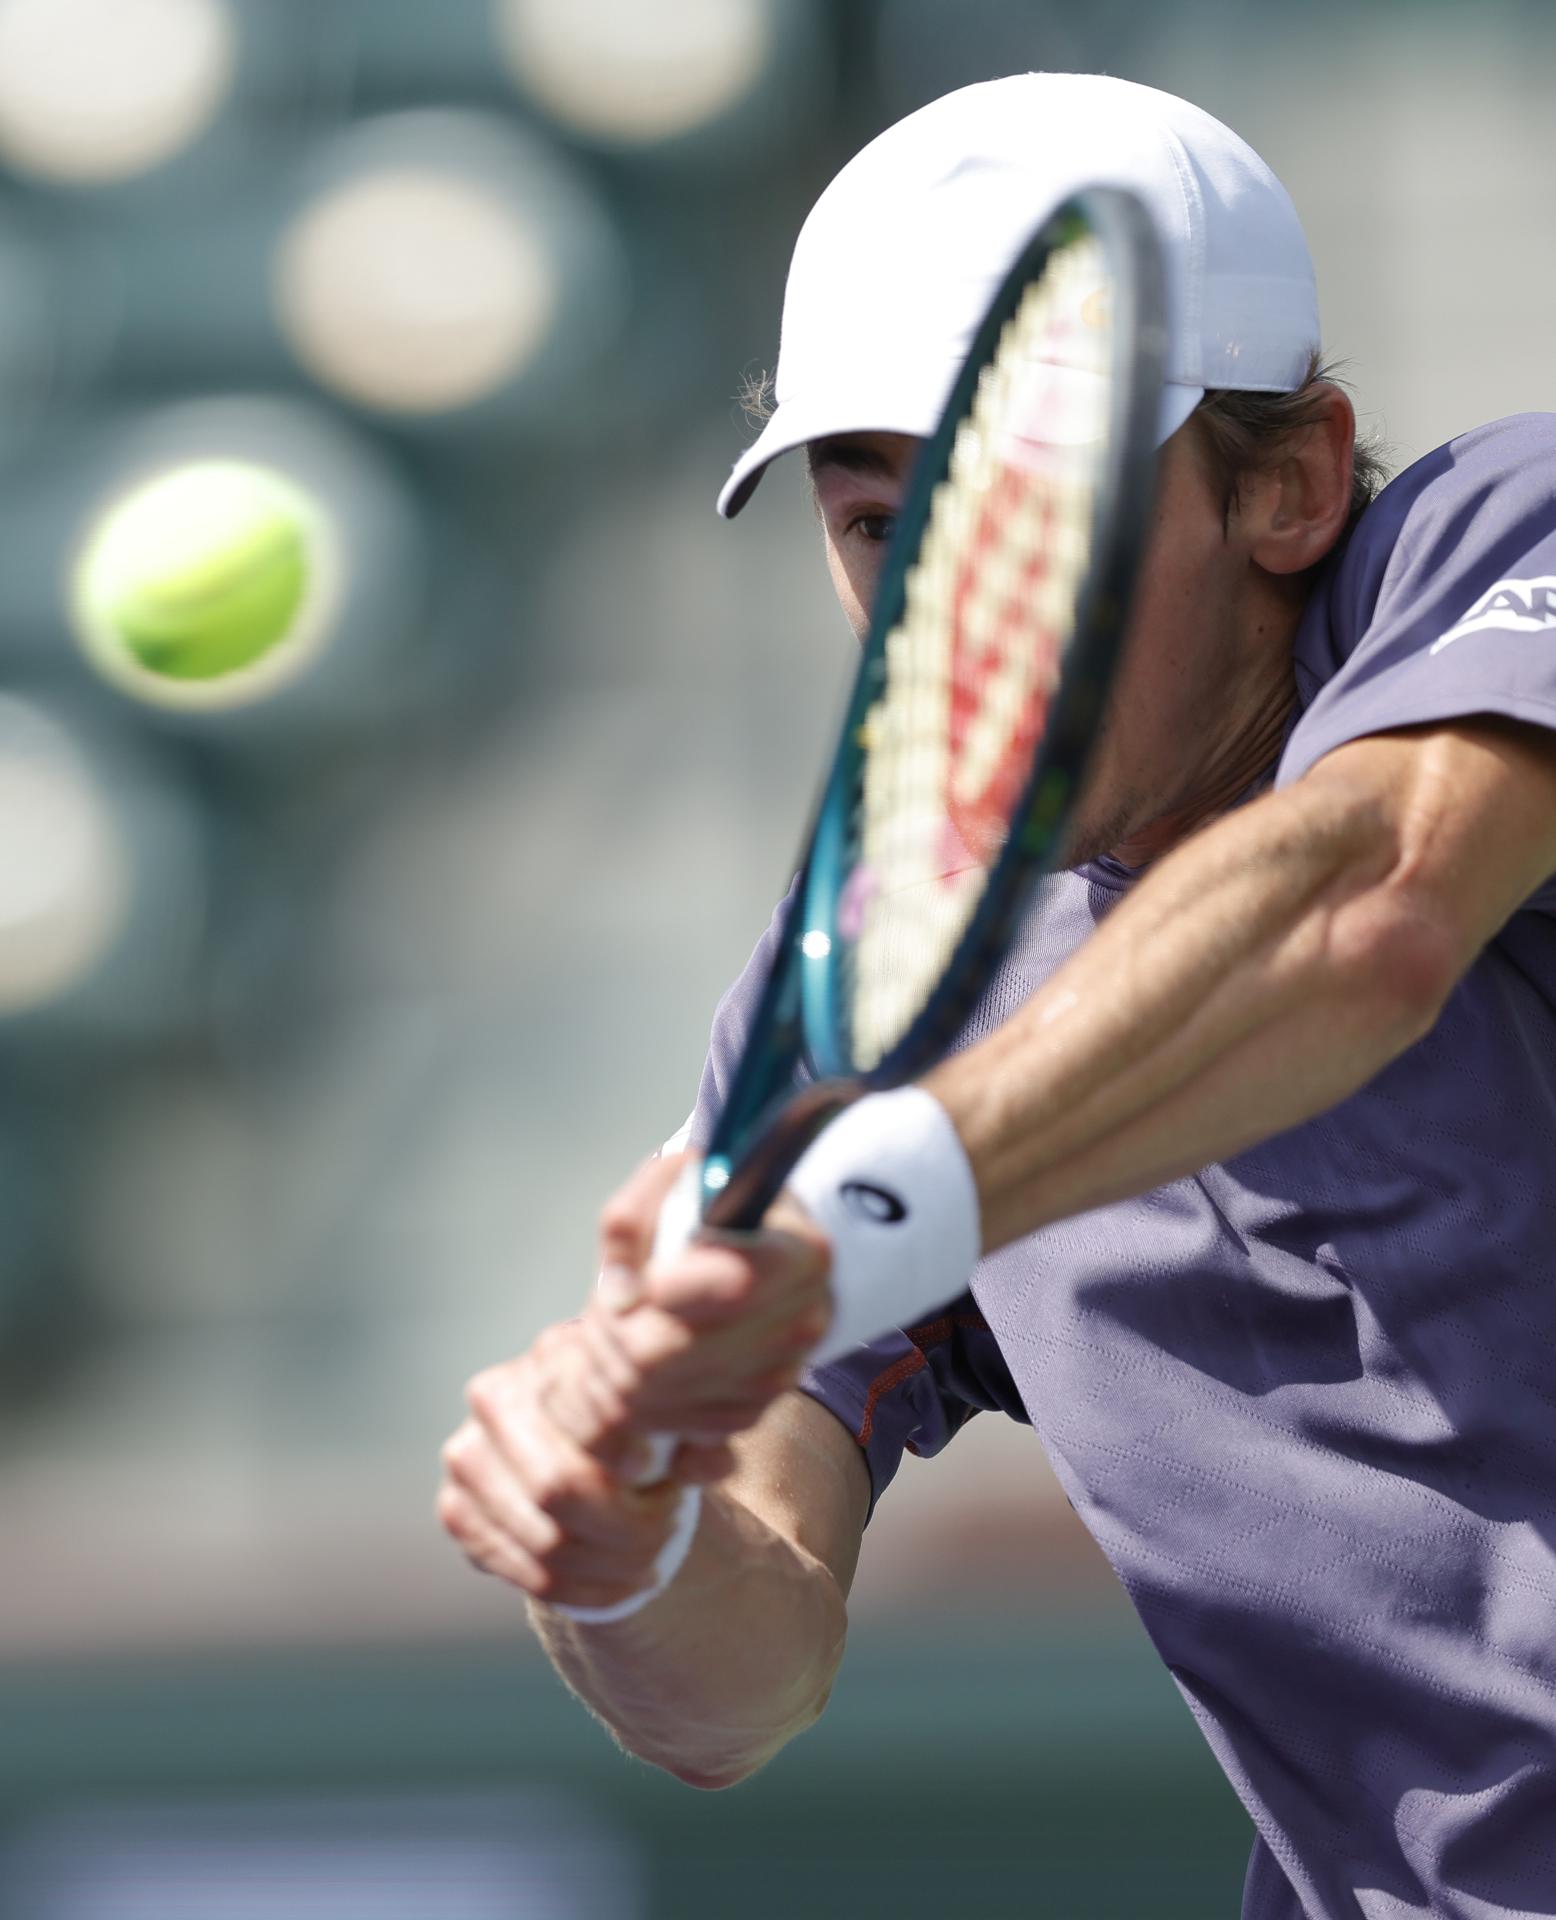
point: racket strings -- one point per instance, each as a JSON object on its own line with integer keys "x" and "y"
{"x": 949, "y": 743}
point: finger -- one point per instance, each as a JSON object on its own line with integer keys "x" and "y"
{"x": 679, "y": 1363}
{"x": 728, "y": 1277}
{"x": 511, "y": 1534}
{"x": 712, "y": 1280}
{"x": 581, "y": 1581}
{"x": 543, "y": 1458}
{"x": 588, "y": 1502}
{"x": 485, "y": 1546}
{"x": 581, "y": 1593}
{"x": 473, "y": 1466}
{"x": 629, "y": 1217}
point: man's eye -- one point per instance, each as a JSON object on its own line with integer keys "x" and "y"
{"x": 877, "y": 528}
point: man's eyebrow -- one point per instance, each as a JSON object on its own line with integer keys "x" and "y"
{"x": 852, "y": 456}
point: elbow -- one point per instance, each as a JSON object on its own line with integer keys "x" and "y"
{"x": 713, "y": 1782}
{"x": 1399, "y": 955}
{"x": 714, "y": 1776}
{"x": 710, "y": 1775}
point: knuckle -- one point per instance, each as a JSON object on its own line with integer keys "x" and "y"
{"x": 622, "y": 1212}
{"x": 555, "y": 1490}
{"x": 737, "y": 1282}
{"x": 484, "y": 1393}
{"x": 616, "y": 1216}
{"x": 464, "y": 1526}
{"x": 549, "y": 1343}
{"x": 651, "y": 1338}
{"x": 547, "y": 1536}
{"x": 542, "y": 1581}
{"x": 609, "y": 1372}
{"x": 459, "y": 1452}
{"x": 611, "y": 1413}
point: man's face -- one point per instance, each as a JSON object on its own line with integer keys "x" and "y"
{"x": 1200, "y": 670}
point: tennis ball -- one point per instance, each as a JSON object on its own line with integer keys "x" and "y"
{"x": 198, "y": 573}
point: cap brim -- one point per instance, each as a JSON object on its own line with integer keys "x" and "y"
{"x": 794, "y": 424}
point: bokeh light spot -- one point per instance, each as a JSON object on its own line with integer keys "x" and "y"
{"x": 63, "y": 868}
{"x": 622, "y": 71}
{"x": 94, "y": 90}
{"x": 417, "y": 290}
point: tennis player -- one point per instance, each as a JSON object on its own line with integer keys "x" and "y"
{"x": 1256, "y": 1127}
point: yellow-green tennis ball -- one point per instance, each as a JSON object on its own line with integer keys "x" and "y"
{"x": 200, "y": 572}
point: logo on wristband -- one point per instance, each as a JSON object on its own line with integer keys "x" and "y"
{"x": 873, "y": 1204}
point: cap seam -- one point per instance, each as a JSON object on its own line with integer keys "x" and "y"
{"x": 1193, "y": 278}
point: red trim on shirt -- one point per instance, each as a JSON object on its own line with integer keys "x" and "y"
{"x": 933, "y": 1333}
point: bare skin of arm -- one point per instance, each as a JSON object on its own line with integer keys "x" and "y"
{"x": 738, "y": 1655}
{"x": 1261, "y": 973}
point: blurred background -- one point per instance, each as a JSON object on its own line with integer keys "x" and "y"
{"x": 328, "y": 1016}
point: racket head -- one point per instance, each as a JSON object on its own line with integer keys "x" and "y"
{"x": 997, "y": 626}
{"x": 998, "y": 622}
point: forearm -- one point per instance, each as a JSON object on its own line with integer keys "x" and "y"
{"x": 715, "y": 1675}
{"x": 1263, "y": 972}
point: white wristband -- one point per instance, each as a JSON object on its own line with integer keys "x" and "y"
{"x": 889, "y": 1183}
{"x": 670, "y": 1560}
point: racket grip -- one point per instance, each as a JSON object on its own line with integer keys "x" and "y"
{"x": 661, "y": 1451}
{"x": 679, "y": 1219}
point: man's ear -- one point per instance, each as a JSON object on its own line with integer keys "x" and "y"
{"x": 1294, "y": 512}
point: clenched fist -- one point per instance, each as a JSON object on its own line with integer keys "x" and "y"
{"x": 538, "y": 1482}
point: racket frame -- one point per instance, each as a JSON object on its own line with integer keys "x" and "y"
{"x": 770, "y": 1116}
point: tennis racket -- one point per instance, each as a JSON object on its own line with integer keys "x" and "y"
{"x": 998, "y": 623}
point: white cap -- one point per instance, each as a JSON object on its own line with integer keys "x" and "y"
{"x": 902, "y": 253}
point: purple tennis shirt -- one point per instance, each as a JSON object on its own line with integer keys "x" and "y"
{"x": 1306, "y": 1401}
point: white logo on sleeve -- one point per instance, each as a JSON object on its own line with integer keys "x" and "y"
{"x": 1525, "y": 606}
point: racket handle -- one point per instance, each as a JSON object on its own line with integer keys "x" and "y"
{"x": 661, "y": 1451}
{"x": 679, "y": 1219}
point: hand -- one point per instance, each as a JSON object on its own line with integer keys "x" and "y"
{"x": 537, "y": 1485}
{"x": 526, "y": 1497}
{"x": 700, "y": 1343}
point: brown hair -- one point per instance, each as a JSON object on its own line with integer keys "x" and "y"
{"x": 1245, "y": 433}
{"x": 755, "y": 399}
{"x": 1242, "y": 432}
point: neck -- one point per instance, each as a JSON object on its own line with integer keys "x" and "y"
{"x": 1240, "y": 751}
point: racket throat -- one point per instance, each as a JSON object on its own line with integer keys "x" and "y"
{"x": 737, "y": 1196}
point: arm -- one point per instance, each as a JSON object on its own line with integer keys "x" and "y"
{"x": 1265, "y": 970}
{"x": 738, "y": 1654}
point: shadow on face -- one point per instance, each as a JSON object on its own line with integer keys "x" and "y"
{"x": 1205, "y": 683}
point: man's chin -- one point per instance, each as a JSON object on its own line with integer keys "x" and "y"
{"x": 1090, "y": 837}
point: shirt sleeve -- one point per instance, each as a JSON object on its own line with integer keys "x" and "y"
{"x": 1444, "y": 605}
{"x": 914, "y": 1390}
